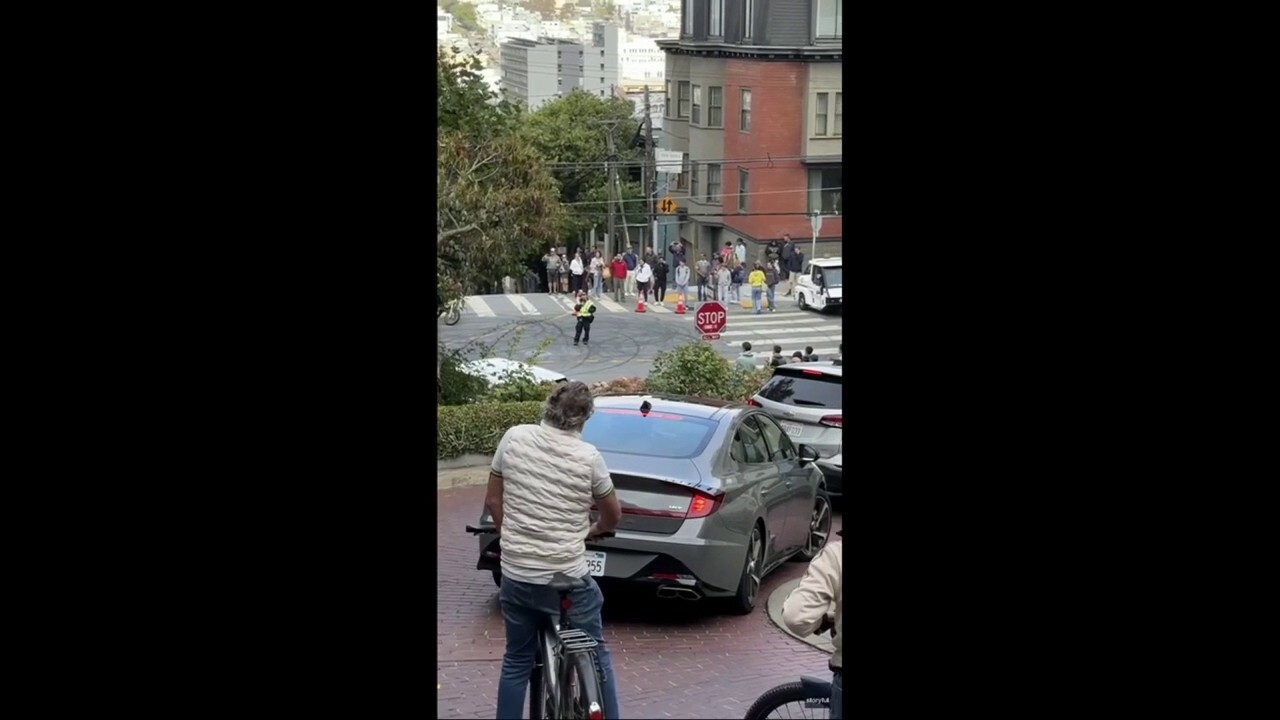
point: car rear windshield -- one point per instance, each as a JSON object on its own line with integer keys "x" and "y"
{"x": 660, "y": 434}
{"x": 801, "y": 388}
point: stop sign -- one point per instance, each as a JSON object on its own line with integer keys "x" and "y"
{"x": 711, "y": 320}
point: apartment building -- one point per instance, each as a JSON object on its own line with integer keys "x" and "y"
{"x": 755, "y": 100}
{"x": 536, "y": 72}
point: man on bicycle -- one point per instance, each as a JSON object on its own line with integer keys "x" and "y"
{"x": 542, "y": 484}
{"x": 817, "y": 605}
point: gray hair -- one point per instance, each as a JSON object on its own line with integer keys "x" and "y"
{"x": 569, "y": 406}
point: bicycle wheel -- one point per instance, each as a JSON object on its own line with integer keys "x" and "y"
{"x": 452, "y": 315}
{"x": 792, "y": 700}
{"x": 583, "y": 697}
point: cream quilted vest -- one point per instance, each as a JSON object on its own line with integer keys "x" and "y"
{"x": 546, "y": 499}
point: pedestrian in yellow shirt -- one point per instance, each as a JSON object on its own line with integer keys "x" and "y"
{"x": 756, "y": 280}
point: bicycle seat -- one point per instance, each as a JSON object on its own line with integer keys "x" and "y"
{"x": 562, "y": 583}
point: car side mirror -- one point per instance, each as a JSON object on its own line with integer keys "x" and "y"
{"x": 807, "y": 454}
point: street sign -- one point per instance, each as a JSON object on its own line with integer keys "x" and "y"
{"x": 666, "y": 205}
{"x": 711, "y": 320}
{"x": 815, "y": 221}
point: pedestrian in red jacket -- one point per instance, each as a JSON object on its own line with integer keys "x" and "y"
{"x": 619, "y": 271}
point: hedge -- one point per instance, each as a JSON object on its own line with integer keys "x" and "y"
{"x": 477, "y": 429}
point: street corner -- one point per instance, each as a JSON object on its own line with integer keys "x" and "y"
{"x": 774, "y": 605}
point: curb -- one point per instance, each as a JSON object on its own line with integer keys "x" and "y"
{"x": 465, "y": 471}
{"x": 774, "y": 607}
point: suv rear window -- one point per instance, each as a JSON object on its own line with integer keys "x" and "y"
{"x": 791, "y": 386}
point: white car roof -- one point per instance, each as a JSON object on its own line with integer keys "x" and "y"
{"x": 495, "y": 369}
{"x": 827, "y": 262}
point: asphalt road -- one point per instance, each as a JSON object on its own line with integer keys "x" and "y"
{"x": 624, "y": 342}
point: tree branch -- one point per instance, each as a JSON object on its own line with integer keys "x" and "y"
{"x": 441, "y": 237}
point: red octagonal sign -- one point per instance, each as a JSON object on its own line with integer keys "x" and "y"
{"x": 711, "y": 320}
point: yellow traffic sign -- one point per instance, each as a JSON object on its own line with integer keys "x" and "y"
{"x": 667, "y": 205}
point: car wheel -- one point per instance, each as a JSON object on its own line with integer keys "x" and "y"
{"x": 819, "y": 527}
{"x": 749, "y": 586}
{"x": 800, "y": 299}
{"x": 497, "y": 577}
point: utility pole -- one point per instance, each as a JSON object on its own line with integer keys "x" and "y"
{"x": 650, "y": 188}
{"x": 611, "y": 148}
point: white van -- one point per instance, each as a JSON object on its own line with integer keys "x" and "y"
{"x": 821, "y": 285}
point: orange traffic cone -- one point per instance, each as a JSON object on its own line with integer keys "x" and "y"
{"x": 680, "y": 305}
{"x": 640, "y": 304}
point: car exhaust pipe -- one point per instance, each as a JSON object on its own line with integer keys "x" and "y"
{"x": 668, "y": 592}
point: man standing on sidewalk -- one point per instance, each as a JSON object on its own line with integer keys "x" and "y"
{"x": 629, "y": 257}
{"x": 620, "y": 278}
{"x": 771, "y": 281}
{"x": 682, "y": 280}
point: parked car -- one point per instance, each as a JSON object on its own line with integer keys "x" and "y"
{"x": 714, "y": 496}
{"x": 821, "y": 286}
{"x": 805, "y": 400}
{"x": 498, "y": 370}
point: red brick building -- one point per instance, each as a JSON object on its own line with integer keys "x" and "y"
{"x": 755, "y": 101}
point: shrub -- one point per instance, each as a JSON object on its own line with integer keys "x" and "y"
{"x": 620, "y": 386}
{"x": 698, "y": 370}
{"x": 520, "y": 387}
{"x": 477, "y": 428}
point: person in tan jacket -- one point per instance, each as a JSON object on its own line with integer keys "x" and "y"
{"x": 817, "y": 605}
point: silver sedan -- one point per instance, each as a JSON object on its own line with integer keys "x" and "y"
{"x": 714, "y": 496}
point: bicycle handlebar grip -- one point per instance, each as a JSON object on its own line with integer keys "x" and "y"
{"x": 482, "y": 529}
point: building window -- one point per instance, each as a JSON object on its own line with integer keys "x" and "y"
{"x": 820, "y": 115}
{"x": 824, "y": 191}
{"x": 749, "y": 18}
{"x": 666, "y": 98}
{"x": 743, "y": 190}
{"x": 837, "y": 127}
{"x": 713, "y": 183}
{"x": 687, "y": 7}
{"x": 715, "y": 107}
{"x": 682, "y": 180}
{"x": 717, "y": 18}
{"x": 744, "y": 124}
{"x": 828, "y": 18}
{"x": 693, "y": 179}
{"x": 696, "y": 116}
{"x": 683, "y": 98}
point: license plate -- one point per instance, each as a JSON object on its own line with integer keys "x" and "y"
{"x": 792, "y": 429}
{"x": 595, "y": 563}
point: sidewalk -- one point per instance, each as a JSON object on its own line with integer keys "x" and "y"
{"x": 477, "y": 474}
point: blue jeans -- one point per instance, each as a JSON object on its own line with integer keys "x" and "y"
{"x": 837, "y": 696}
{"x": 755, "y": 298}
{"x": 598, "y": 285}
{"x": 525, "y": 607}
{"x": 771, "y": 300}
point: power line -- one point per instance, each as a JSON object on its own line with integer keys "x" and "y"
{"x": 721, "y": 195}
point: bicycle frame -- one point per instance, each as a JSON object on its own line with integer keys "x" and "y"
{"x": 559, "y": 641}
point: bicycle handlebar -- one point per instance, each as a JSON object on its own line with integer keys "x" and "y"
{"x": 491, "y": 529}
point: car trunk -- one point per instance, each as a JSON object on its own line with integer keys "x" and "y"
{"x": 656, "y": 493}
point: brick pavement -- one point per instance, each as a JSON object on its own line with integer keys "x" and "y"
{"x": 672, "y": 658}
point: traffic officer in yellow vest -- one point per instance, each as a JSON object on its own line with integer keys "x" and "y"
{"x": 585, "y": 311}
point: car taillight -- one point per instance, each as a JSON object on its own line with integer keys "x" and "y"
{"x": 752, "y": 402}
{"x": 701, "y": 506}
{"x": 835, "y": 421}
{"x": 595, "y": 712}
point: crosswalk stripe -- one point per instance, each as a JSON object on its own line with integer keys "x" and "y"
{"x": 610, "y": 305}
{"x": 478, "y": 306}
{"x": 800, "y": 342}
{"x": 523, "y": 305}
{"x": 836, "y": 329}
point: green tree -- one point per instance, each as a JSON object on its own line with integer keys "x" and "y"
{"x": 496, "y": 202}
{"x": 569, "y": 133}
{"x": 464, "y": 13}
{"x": 545, "y": 8}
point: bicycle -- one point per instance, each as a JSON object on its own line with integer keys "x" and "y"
{"x": 566, "y": 683}
{"x": 797, "y": 698}
{"x": 452, "y": 312}
{"x": 810, "y": 693}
